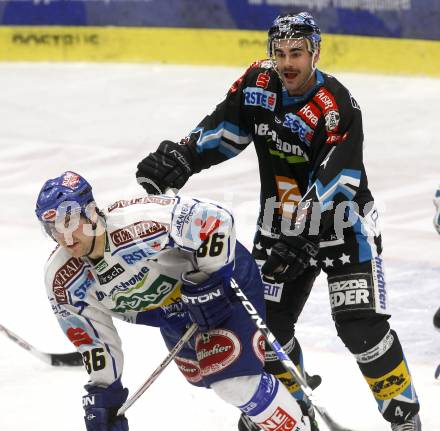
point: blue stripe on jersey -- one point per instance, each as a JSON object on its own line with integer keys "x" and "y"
{"x": 214, "y": 139}
{"x": 346, "y": 182}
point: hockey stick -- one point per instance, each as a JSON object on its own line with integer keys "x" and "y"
{"x": 57, "y": 359}
{"x": 158, "y": 371}
{"x": 285, "y": 360}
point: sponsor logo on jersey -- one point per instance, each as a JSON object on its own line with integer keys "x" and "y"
{"x": 325, "y": 100}
{"x": 136, "y": 300}
{"x": 259, "y": 345}
{"x": 255, "y": 96}
{"x": 144, "y": 200}
{"x": 59, "y": 311}
{"x": 109, "y": 275}
{"x": 298, "y": 126}
{"x": 310, "y": 114}
{"x": 335, "y": 138}
{"x": 351, "y": 292}
{"x": 263, "y": 129}
{"x": 390, "y": 385}
{"x": 60, "y": 294}
{"x": 263, "y": 80}
{"x": 332, "y": 120}
{"x": 289, "y": 196}
{"x": 101, "y": 265}
{"x": 145, "y": 252}
{"x": 183, "y": 217}
{"x": 67, "y": 272}
{"x": 190, "y": 369}
{"x": 207, "y": 226}
{"x": 78, "y": 336}
{"x": 279, "y": 421}
{"x": 125, "y": 285}
{"x": 81, "y": 290}
{"x": 218, "y": 351}
{"x": 138, "y": 230}
{"x": 354, "y": 102}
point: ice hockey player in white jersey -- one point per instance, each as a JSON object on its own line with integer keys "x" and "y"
{"x": 161, "y": 261}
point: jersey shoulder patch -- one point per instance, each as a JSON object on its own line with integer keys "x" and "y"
{"x": 62, "y": 271}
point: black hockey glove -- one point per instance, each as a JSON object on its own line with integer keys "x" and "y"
{"x": 168, "y": 167}
{"x": 288, "y": 259}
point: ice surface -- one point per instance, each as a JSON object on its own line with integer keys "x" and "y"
{"x": 100, "y": 120}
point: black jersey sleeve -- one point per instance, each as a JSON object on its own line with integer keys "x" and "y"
{"x": 225, "y": 132}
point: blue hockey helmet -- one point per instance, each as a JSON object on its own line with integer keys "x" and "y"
{"x": 294, "y": 26}
{"x": 68, "y": 187}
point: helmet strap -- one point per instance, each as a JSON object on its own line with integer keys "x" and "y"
{"x": 94, "y": 226}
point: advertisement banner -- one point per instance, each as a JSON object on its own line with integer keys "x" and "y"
{"x": 409, "y": 19}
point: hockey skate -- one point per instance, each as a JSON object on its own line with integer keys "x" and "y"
{"x": 245, "y": 424}
{"x": 412, "y": 424}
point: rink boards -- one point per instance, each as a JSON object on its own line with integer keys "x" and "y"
{"x": 209, "y": 47}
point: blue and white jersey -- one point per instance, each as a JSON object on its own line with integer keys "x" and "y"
{"x": 150, "y": 242}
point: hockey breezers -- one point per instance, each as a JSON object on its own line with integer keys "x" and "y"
{"x": 72, "y": 359}
{"x": 158, "y": 371}
{"x": 285, "y": 360}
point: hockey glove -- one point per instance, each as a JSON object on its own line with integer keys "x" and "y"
{"x": 288, "y": 259}
{"x": 437, "y": 214}
{"x": 168, "y": 167}
{"x": 207, "y": 303}
{"x": 101, "y": 406}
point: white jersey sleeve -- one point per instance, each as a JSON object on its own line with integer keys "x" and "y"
{"x": 205, "y": 228}
{"x": 89, "y": 328}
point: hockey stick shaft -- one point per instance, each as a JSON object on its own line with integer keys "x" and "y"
{"x": 56, "y": 359}
{"x": 284, "y": 358}
{"x": 158, "y": 371}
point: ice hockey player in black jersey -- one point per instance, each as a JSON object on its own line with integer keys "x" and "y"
{"x": 316, "y": 210}
{"x": 163, "y": 261}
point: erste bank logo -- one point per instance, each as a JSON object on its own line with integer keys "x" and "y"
{"x": 255, "y": 96}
